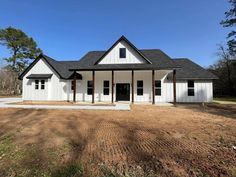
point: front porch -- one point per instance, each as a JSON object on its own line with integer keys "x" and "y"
{"x": 132, "y": 86}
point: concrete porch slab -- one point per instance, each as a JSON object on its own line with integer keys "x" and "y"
{"x": 6, "y": 103}
{"x": 164, "y": 104}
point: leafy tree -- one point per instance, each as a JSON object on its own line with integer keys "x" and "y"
{"x": 230, "y": 21}
{"x": 22, "y": 48}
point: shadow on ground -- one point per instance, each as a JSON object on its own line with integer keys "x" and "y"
{"x": 147, "y": 141}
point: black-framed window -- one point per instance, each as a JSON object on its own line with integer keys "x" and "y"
{"x": 122, "y": 52}
{"x": 190, "y": 88}
{"x": 105, "y": 87}
{"x": 90, "y": 87}
{"x": 139, "y": 87}
{"x": 72, "y": 85}
{"x": 42, "y": 84}
{"x": 36, "y": 84}
{"x": 158, "y": 87}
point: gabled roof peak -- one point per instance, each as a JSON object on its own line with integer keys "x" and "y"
{"x": 129, "y": 43}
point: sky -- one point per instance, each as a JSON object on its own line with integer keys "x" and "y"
{"x": 68, "y": 29}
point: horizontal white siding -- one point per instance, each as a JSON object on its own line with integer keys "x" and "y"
{"x": 113, "y": 57}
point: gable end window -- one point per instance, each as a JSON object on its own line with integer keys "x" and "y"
{"x": 139, "y": 87}
{"x": 42, "y": 84}
{"x": 158, "y": 87}
{"x": 122, "y": 52}
{"x": 90, "y": 87}
{"x": 105, "y": 87}
{"x": 190, "y": 88}
{"x": 36, "y": 84}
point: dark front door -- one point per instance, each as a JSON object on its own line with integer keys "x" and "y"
{"x": 122, "y": 92}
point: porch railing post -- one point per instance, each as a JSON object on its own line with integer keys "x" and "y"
{"x": 174, "y": 86}
{"x": 112, "y": 86}
{"x": 93, "y": 93}
{"x": 132, "y": 86}
{"x": 153, "y": 86}
{"x": 74, "y": 91}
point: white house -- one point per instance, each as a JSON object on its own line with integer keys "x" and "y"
{"x": 122, "y": 73}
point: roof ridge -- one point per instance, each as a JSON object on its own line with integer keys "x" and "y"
{"x": 181, "y": 59}
{"x": 97, "y": 51}
{"x": 149, "y": 49}
{"x": 68, "y": 60}
{"x": 47, "y": 57}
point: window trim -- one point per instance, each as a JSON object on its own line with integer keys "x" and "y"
{"x": 42, "y": 84}
{"x": 139, "y": 88}
{"x": 120, "y": 52}
{"x": 158, "y": 88}
{"x": 89, "y": 87}
{"x": 106, "y": 87}
{"x": 191, "y": 88}
{"x": 36, "y": 84}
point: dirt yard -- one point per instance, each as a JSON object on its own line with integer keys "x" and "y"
{"x": 146, "y": 141}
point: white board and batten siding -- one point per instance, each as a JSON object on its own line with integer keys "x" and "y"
{"x": 203, "y": 91}
{"x": 55, "y": 88}
{"x": 113, "y": 57}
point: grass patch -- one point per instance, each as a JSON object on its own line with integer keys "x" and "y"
{"x": 72, "y": 170}
{"x": 233, "y": 99}
{"x": 6, "y": 144}
{"x": 10, "y": 96}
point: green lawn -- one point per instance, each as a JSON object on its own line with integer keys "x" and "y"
{"x": 225, "y": 99}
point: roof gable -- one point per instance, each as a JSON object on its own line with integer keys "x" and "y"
{"x": 158, "y": 59}
{"x": 60, "y": 68}
{"x": 133, "y": 55}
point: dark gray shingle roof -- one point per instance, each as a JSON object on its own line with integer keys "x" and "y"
{"x": 60, "y": 67}
{"x": 158, "y": 59}
{"x": 191, "y": 70}
{"x": 186, "y": 69}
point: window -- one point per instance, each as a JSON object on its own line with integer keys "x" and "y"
{"x": 42, "y": 84}
{"x": 105, "y": 87}
{"x": 190, "y": 88}
{"x": 139, "y": 87}
{"x": 158, "y": 87}
{"x": 72, "y": 85}
{"x": 122, "y": 52}
{"x": 90, "y": 87}
{"x": 36, "y": 84}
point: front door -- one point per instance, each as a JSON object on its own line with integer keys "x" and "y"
{"x": 122, "y": 92}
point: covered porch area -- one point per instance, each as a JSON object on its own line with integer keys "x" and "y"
{"x": 128, "y": 86}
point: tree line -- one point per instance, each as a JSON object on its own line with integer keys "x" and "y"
{"x": 225, "y": 67}
{"x": 24, "y": 49}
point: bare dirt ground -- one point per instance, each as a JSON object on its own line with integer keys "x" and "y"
{"x": 146, "y": 141}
